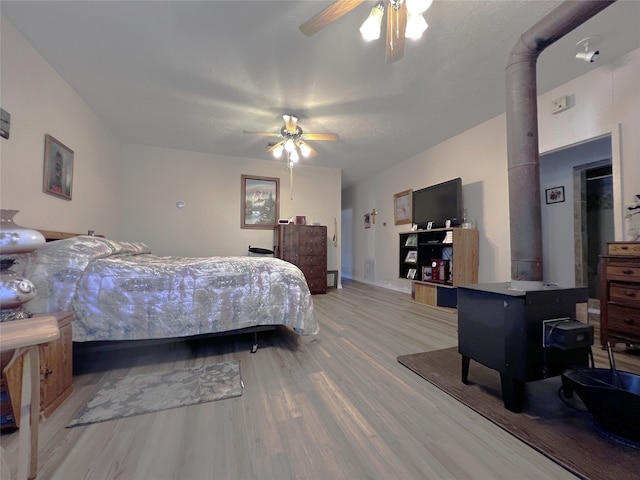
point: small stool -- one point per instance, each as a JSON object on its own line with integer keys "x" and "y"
{"x": 24, "y": 336}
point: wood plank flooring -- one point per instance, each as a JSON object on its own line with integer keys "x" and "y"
{"x": 334, "y": 406}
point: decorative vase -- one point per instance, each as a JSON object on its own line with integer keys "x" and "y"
{"x": 14, "y": 290}
{"x": 14, "y": 238}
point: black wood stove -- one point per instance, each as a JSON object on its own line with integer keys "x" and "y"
{"x": 503, "y": 329}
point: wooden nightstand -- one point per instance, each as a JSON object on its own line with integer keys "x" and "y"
{"x": 56, "y": 370}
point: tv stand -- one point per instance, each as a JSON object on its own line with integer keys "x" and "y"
{"x": 437, "y": 261}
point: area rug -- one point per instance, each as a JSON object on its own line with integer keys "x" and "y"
{"x": 151, "y": 392}
{"x": 564, "y": 433}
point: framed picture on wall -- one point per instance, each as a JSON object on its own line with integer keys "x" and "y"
{"x": 58, "y": 168}
{"x": 402, "y": 207}
{"x": 555, "y": 195}
{"x": 260, "y": 200}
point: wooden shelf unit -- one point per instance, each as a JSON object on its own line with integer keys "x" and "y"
{"x": 457, "y": 245}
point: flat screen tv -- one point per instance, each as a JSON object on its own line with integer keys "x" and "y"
{"x": 437, "y": 204}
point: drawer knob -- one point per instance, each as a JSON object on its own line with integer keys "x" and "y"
{"x": 630, "y": 293}
{"x": 627, "y": 271}
{"x": 628, "y": 321}
{"x": 47, "y": 372}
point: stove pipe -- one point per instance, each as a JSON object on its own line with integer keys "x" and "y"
{"x": 522, "y": 137}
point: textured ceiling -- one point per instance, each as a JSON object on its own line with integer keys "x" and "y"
{"x": 193, "y": 75}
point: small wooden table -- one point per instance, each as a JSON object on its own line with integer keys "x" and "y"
{"x": 24, "y": 336}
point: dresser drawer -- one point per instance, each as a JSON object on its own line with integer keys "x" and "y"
{"x": 625, "y": 320}
{"x": 625, "y": 294}
{"x": 624, "y": 248}
{"x": 623, "y": 273}
{"x": 310, "y": 260}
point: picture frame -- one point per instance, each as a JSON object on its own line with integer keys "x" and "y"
{"x": 402, "y": 207}
{"x": 412, "y": 257}
{"x": 367, "y": 220}
{"x": 426, "y": 273}
{"x": 412, "y": 241}
{"x": 332, "y": 278}
{"x": 411, "y": 273}
{"x": 554, "y": 194}
{"x": 260, "y": 199}
{"x": 58, "y": 168}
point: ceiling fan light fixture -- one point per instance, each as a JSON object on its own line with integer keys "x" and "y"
{"x": 371, "y": 27}
{"x": 289, "y": 145}
{"x": 294, "y": 157}
{"x": 416, "y": 26}
{"x": 277, "y": 152}
{"x": 415, "y": 7}
{"x": 304, "y": 149}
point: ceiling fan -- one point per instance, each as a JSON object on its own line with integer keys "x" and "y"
{"x": 293, "y": 140}
{"x": 404, "y": 20}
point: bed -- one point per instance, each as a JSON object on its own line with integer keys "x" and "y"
{"x": 121, "y": 291}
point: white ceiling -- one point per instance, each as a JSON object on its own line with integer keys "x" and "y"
{"x": 193, "y": 75}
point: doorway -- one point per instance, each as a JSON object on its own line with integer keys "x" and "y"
{"x": 594, "y": 211}
{"x": 577, "y": 229}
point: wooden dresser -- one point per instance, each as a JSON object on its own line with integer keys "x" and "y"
{"x": 620, "y": 294}
{"x": 56, "y": 371}
{"x": 306, "y": 247}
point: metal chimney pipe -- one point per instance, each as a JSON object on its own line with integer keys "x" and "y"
{"x": 522, "y": 137}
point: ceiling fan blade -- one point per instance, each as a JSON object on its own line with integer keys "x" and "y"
{"x": 290, "y": 123}
{"x": 396, "y": 23}
{"x": 262, "y": 134}
{"x": 320, "y": 136}
{"x": 330, "y": 14}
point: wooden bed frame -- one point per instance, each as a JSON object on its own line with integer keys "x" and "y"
{"x": 52, "y": 235}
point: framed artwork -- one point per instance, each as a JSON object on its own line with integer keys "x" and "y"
{"x": 367, "y": 220}
{"x": 411, "y": 273}
{"x": 554, "y": 195}
{"x": 58, "y": 168}
{"x": 402, "y": 207}
{"x": 260, "y": 202}
{"x": 412, "y": 257}
{"x": 412, "y": 241}
{"x": 332, "y": 278}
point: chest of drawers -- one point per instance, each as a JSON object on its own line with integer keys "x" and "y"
{"x": 306, "y": 247}
{"x": 620, "y": 294}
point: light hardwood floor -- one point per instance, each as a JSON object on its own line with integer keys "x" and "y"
{"x": 334, "y": 406}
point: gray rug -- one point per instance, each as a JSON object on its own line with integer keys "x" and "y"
{"x": 152, "y": 392}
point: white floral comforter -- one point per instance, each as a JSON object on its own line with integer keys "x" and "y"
{"x": 120, "y": 291}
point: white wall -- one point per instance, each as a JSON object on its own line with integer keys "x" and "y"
{"x": 602, "y": 99}
{"x": 129, "y": 192}
{"x": 41, "y": 102}
{"x": 154, "y": 179}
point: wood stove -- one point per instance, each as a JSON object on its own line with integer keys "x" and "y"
{"x": 502, "y": 329}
